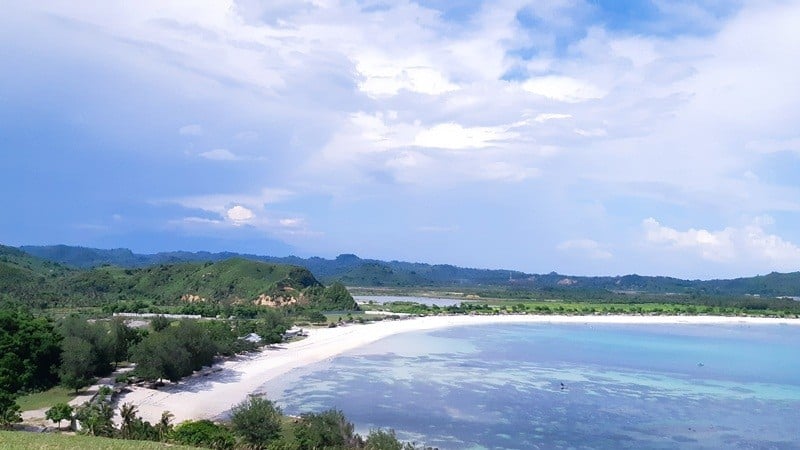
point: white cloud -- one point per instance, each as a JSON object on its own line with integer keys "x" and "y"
{"x": 191, "y": 130}
{"x": 220, "y": 154}
{"x": 351, "y": 102}
{"x": 454, "y": 136}
{"x": 544, "y": 117}
{"x": 597, "y": 132}
{"x": 388, "y": 78}
{"x": 194, "y": 220}
{"x": 239, "y": 214}
{"x": 563, "y": 88}
{"x": 588, "y": 247}
{"x": 291, "y": 222}
{"x": 729, "y": 245}
{"x": 221, "y": 203}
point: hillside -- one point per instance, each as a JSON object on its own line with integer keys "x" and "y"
{"x": 25, "y": 277}
{"x": 354, "y": 271}
{"x": 235, "y": 280}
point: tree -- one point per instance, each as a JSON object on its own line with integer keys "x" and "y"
{"x": 96, "y": 419}
{"x": 337, "y": 297}
{"x": 121, "y": 338}
{"x": 76, "y": 363}
{"x": 29, "y": 351}
{"x": 9, "y": 410}
{"x": 127, "y": 412}
{"x": 97, "y": 335}
{"x": 195, "y": 338}
{"x": 257, "y": 421}
{"x": 159, "y": 323}
{"x": 164, "y": 425}
{"x": 203, "y": 433}
{"x": 382, "y": 440}
{"x": 271, "y": 326}
{"x": 59, "y": 412}
{"x": 316, "y": 317}
{"x": 325, "y": 430}
{"x": 158, "y": 356}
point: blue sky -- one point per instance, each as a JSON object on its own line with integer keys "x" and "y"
{"x": 586, "y": 137}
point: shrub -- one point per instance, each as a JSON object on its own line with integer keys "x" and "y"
{"x": 203, "y": 433}
{"x": 257, "y": 421}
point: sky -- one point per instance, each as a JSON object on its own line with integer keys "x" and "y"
{"x": 588, "y": 137}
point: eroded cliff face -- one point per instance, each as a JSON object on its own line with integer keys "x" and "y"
{"x": 288, "y": 296}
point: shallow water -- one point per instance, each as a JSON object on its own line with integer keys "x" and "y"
{"x": 430, "y": 301}
{"x": 624, "y": 386}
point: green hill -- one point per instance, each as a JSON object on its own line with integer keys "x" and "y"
{"x": 45, "y": 284}
{"x": 233, "y": 279}
{"x": 27, "y": 278}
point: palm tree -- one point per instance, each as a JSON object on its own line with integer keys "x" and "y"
{"x": 128, "y": 414}
{"x": 164, "y": 425}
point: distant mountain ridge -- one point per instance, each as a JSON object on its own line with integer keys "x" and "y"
{"x": 354, "y": 271}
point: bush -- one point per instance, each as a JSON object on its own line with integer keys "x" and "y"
{"x": 203, "y": 433}
{"x": 383, "y": 440}
{"x": 329, "y": 429}
{"x": 9, "y": 410}
{"x": 257, "y": 421}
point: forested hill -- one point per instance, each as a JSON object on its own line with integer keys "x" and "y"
{"x": 354, "y": 271}
{"x": 235, "y": 280}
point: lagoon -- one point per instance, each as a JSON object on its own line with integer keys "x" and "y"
{"x": 624, "y": 386}
{"x": 429, "y": 301}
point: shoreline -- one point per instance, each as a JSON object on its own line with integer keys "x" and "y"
{"x": 210, "y": 395}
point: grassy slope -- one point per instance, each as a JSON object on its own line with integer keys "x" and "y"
{"x": 45, "y": 399}
{"x": 23, "y": 440}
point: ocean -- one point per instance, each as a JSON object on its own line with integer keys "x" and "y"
{"x": 577, "y": 386}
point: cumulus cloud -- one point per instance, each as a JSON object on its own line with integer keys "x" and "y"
{"x": 239, "y": 214}
{"x": 587, "y": 247}
{"x": 729, "y": 245}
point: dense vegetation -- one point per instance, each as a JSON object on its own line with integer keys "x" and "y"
{"x": 255, "y": 423}
{"x": 210, "y": 288}
{"x": 354, "y": 271}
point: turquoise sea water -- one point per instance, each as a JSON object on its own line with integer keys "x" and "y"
{"x": 624, "y": 386}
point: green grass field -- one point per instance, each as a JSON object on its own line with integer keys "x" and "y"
{"x": 45, "y": 399}
{"x": 23, "y": 440}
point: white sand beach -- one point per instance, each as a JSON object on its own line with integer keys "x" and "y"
{"x": 208, "y": 396}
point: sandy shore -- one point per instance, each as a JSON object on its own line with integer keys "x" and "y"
{"x": 208, "y": 396}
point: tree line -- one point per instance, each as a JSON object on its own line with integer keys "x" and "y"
{"x": 255, "y": 424}
{"x": 36, "y": 353}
